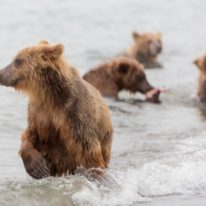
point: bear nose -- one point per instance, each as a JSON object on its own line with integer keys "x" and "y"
{"x": 155, "y": 48}
{"x": 1, "y": 76}
{"x": 158, "y": 47}
{"x": 5, "y": 77}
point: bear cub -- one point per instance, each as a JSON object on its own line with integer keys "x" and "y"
{"x": 69, "y": 125}
{"x": 122, "y": 73}
{"x": 146, "y": 48}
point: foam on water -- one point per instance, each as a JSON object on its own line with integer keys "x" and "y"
{"x": 183, "y": 174}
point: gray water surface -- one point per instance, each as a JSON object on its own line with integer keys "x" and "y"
{"x": 159, "y": 151}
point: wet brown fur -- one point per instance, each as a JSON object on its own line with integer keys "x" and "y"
{"x": 120, "y": 73}
{"x": 201, "y": 64}
{"x": 69, "y": 124}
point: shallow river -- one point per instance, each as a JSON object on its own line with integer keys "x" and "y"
{"x": 159, "y": 151}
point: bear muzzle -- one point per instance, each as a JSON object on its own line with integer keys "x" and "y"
{"x": 7, "y": 77}
{"x": 155, "y": 48}
{"x": 152, "y": 94}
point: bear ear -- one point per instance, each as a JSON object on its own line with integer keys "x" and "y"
{"x": 136, "y": 35}
{"x": 53, "y": 52}
{"x": 44, "y": 42}
{"x": 159, "y": 34}
{"x": 123, "y": 68}
{"x": 196, "y": 62}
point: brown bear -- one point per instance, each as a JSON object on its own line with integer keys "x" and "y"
{"x": 201, "y": 64}
{"x": 122, "y": 73}
{"x": 69, "y": 124}
{"x": 146, "y": 48}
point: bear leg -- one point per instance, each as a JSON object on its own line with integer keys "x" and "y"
{"x": 34, "y": 162}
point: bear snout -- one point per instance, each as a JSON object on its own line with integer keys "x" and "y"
{"x": 6, "y": 77}
{"x": 144, "y": 86}
{"x": 2, "y": 77}
{"x": 159, "y": 48}
{"x": 155, "y": 48}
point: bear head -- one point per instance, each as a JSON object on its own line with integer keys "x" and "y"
{"x": 147, "y": 45}
{"x": 130, "y": 75}
{"x": 34, "y": 68}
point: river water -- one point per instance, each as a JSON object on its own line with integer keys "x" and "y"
{"x": 159, "y": 151}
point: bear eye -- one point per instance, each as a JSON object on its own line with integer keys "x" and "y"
{"x": 123, "y": 68}
{"x": 18, "y": 62}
